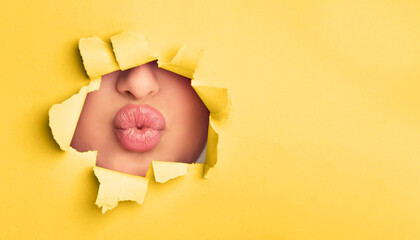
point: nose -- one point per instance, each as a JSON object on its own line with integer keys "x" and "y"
{"x": 138, "y": 82}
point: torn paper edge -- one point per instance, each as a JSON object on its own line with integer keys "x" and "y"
{"x": 97, "y": 56}
{"x": 165, "y": 171}
{"x": 185, "y": 62}
{"x": 116, "y": 186}
{"x": 98, "y": 60}
{"x": 131, "y": 50}
{"x": 63, "y": 117}
{"x": 212, "y": 150}
{"x": 216, "y": 100}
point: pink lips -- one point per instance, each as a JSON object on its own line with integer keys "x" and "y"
{"x": 139, "y": 128}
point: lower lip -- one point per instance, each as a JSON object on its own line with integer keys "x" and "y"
{"x": 139, "y": 128}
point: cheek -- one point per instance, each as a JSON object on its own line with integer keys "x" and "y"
{"x": 195, "y": 127}
{"x": 190, "y": 110}
{"x": 94, "y": 120}
{"x": 190, "y": 120}
{"x": 84, "y": 136}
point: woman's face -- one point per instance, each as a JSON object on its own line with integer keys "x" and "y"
{"x": 142, "y": 114}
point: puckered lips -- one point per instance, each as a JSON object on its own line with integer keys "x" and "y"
{"x": 139, "y": 128}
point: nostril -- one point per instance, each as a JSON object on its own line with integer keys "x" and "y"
{"x": 138, "y": 83}
{"x": 129, "y": 94}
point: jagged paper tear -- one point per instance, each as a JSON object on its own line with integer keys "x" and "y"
{"x": 211, "y": 153}
{"x": 216, "y": 100}
{"x": 63, "y": 117}
{"x": 132, "y": 50}
{"x": 165, "y": 171}
{"x": 116, "y": 186}
{"x": 185, "y": 61}
{"x": 97, "y": 56}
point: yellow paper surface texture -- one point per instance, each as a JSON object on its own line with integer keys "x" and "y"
{"x": 320, "y": 138}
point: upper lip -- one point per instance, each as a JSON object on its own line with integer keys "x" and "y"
{"x": 139, "y": 116}
{"x": 139, "y": 128}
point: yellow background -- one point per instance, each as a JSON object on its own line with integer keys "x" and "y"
{"x": 323, "y": 141}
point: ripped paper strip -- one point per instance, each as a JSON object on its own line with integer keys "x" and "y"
{"x": 97, "y": 56}
{"x": 165, "y": 171}
{"x": 185, "y": 61}
{"x": 211, "y": 154}
{"x": 132, "y": 50}
{"x": 216, "y": 100}
{"x": 115, "y": 186}
{"x": 63, "y": 117}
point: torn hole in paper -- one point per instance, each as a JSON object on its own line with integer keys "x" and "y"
{"x": 139, "y": 121}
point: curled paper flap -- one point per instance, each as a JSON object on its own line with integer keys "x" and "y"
{"x": 211, "y": 153}
{"x": 63, "y": 117}
{"x": 165, "y": 171}
{"x": 131, "y": 50}
{"x": 216, "y": 100}
{"x": 97, "y": 56}
{"x": 115, "y": 186}
{"x": 185, "y": 61}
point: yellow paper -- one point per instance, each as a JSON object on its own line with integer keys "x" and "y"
{"x": 97, "y": 56}
{"x": 115, "y": 186}
{"x": 131, "y": 50}
{"x": 164, "y": 171}
{"x": 216, "y": 100}
{"x": 322, "y": 141}
{"x": 211, "y": 153}
{"x": 63, "y": 117}
{"x": 185, "y": 61}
